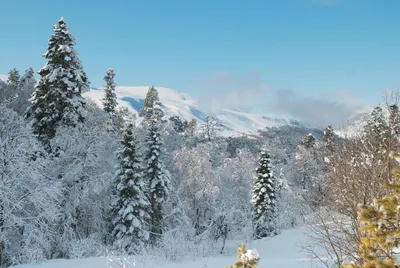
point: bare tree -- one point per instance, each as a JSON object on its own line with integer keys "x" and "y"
{"x": 210, "y": 127}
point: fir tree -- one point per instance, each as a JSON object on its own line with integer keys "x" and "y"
{"x": 110, "y": 98}
{"x": 157, "y": 178}
{"x": 57, "y": 99}
{"x": 246, "y": 258}
{"x": 13, "y": 80}
{"x": 131, "y": 204}
{"x": 329, "y": 137}
{"x": 308, "y": 141}
{"x": 191, "y": 129}
{"x": 152, "y": 105}
{"x": 263, "y": 198}
{"x": 376, "y": 128}
{"x": 394, "y": 120}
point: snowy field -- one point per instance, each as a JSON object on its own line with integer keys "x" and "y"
{"x": 280, "y": 251}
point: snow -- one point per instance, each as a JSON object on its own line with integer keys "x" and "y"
{"x": 280, "y": 251}
{"x": 235, "y": 122}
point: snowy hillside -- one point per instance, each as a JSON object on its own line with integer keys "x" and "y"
{"x": 176, "y": 103}
{"x": 279, "y": 251}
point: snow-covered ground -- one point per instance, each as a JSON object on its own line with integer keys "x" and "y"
{"x": 236, "y": 122}
{"x": 280, "y": 251}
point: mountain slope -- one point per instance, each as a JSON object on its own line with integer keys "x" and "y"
{"x": 235, "y": 122}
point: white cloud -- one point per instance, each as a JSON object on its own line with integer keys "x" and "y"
{"x": 227, "y": 90}
{"x": 3, "y": 77}
{"x": 331, "y": 108}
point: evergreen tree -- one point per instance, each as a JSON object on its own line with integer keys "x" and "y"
{"x": 179, "y": 125}
{"x": 25, "y": 89}
{"x": 263, "y": 198}
{"x": 192, "y": 127}
{"x": 157, "y": 178}
{"x": 152, "y": 105}
{"x": 376, "y": 128}
{"x": 57, "y": 99}
{"x": 131, "y": 204}
{"x": 308, "y": 141}
{"x": 246, "y": 258}
{"x": 13, "y": 80}
{"x": 110, "y": 98}
{"x": 329, "y": 137}
{"x": 394, "y": 120}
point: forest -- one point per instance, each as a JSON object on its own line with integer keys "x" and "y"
{"x": 79, "y": 180}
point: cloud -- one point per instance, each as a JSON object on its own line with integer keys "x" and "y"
{"x": 333, "y": 107}
{"x": 230, "y": 91}
{"x": 3, "y": 77}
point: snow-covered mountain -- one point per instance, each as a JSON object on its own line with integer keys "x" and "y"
{"x": 235, "y": 122}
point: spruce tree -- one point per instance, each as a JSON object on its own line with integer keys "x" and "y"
{"x": 13, "y": 80}
{"x": 329, "y": 137}
{"x": 57, "y": 99}
{"x": 131, "y": 204}
{"x": 308, "y": 141}
{"x": 151, "y": 105}
{"x": 376, "y": 128}
{"x": 263, "y": 198}
{"x": 110, "y": 98}
{"x": 157, "y": 178}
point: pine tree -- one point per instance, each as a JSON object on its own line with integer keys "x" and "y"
{"x": 376, "y": 128}
{"x": 157, "y": 178}
{"x": 246, "y": 258}
{"x": 57, "y": 99}
{"x": 25, "y": 89}
{"x": 329, "y": 137}
{"x": 13, "y": 80}
{"x": 263, "y": 198}
{"x": 308, "y": 141}
{"x": 152, "y": 105}
{"x": 191, "y": 129}
{"x": 131, "y": 204}
{"x": 110, "y": 98}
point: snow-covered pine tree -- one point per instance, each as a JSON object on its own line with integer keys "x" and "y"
{"x": 110, "y": 98}
{"x": 24, "y": 92}
{"x": 376, "y": 128}
{"x": 57, "y": 99}
{"x": 329, "y": 137}
{"x": 157, "y": 178}
{"x": 191, "y": 129}
{"x": 131, "y": 204}
{"x": 152, "y": 105}
{"x": 13, "y": 80}
{"x": 308, "y": 141}
{"x": 263, "y": 198}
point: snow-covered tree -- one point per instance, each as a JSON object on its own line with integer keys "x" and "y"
{"x": 151, "y": 105}
{"x": 329, "y": 137}
{"x": 131, "y": 205}
{"x": 110, "y": 98}
{"x": 192, "y": 127}
{"x": 210, "y": 127}
{"x": 27, "y": 197}
{"x": 13, "y": 80}
{"x": 156, "y": 177}
{"x": 308, "y": 141}
{"x": 84, "y": 162}
{"x": 57, "y": 99}
{"x": 179, "y": 124}
{"x": 25, "y": 89}
{"x": 263, "y": 198}
{"x": 376, "y": 129}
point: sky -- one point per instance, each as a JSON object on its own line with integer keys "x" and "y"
{"x": 283, "y": 57}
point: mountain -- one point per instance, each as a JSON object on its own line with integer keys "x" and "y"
{"x": 235, "y": 122}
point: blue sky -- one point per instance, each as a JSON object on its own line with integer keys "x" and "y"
{"x": 305, "y": 48}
